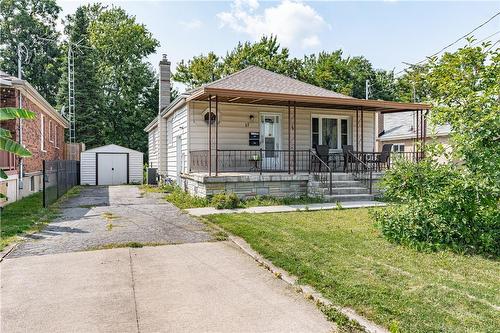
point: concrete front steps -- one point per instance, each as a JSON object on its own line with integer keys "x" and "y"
{"x": 345, "y": 188}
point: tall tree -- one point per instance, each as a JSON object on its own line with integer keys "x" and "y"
{"x": 126, "y": 80}
{"x": 88, "y": 96}
{"x": 199, "y": 70}
{"x": 27, "y": 22}
{"x": 266, "y": 53}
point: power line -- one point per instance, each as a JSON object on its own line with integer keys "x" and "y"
{"x": 456, "y": 41}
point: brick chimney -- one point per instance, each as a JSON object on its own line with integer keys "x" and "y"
{"x": 164, "y": 86}
{"x": 164, "y": 101}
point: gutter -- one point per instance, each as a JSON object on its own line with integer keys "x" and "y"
{"x": 28, "y": 89}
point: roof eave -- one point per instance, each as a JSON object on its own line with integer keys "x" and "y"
{"x": 375, "y": 105}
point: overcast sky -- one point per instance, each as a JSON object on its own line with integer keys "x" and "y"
{"x": 386, "y": 32}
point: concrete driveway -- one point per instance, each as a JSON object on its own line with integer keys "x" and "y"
{"x": 197, "y": 286}
{"x": 102, "y": 215}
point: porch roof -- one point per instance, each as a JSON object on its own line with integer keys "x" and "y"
{"x": 254, "y": 85}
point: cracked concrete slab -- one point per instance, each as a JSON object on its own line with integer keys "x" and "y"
{"x": 102, "y": 215}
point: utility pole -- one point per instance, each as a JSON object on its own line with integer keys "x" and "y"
{"x": 367, "y": 88}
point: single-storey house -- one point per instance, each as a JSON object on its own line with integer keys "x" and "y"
{"x": 399, "y": 129}
{"x": 42, "y": 136}
{"x": 256, "y": 132}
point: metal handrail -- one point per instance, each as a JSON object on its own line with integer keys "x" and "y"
{"x": 364, "y": 166}
{"x": 314, "y": 156}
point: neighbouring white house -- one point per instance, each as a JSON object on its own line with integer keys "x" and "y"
{"x": 111, "y": 165}
{"x": 257, "y": 132}
{"x": 399, "y": 129}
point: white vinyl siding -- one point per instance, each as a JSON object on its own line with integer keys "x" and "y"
{"x": 177, "y": 128}
{"x": 153, "y": 146}
{"x": 88, "y": 164}
{"x": 235, "y": 124}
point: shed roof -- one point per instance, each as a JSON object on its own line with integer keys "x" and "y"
{"x": 111, "y": 148}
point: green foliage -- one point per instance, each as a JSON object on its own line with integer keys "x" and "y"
{"x": 22, "y": 22}
{"x": 341, "y": 254}
{"x": 24, "y": 215}
{"x": 6, "y": 143}
{"x": 453, "y": 205}
{"x": 182, "y": 199}
{"x": 13, "y": 113}
{"x": 442, "y": 206}
{"x": 225, "y": 200}
{"x": 199, "y": 70}
{"x": 343, "y": 322}
{"x": 126, "y": 82}
{"x": 89, "y": 99}
{"x": 330, "y": 70}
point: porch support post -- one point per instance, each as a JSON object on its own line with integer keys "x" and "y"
{"x": 294, "y": 138}
{"x": 209, "y": 135}
{"x": 357, "y": 128}
{"x": 216, "y": 135}
{"x": 289, "y": 128}
{"x": 425, "y": 129}
{"x": 362, "y": 130}
{"x": 417, "y": 132}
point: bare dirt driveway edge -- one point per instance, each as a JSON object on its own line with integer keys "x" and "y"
{"x": 102, "y": 215}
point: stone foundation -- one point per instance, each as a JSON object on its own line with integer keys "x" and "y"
{"x": 247, "y": 186}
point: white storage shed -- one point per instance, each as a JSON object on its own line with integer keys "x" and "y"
{"x": 111, "y": 165}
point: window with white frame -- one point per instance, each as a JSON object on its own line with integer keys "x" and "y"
{"x": 56, "y": 138}
{"x": 51, "y": 138}
{"x": 333, "y": 131}
{"x": 42, "y": 133}
{"x": 398, "y": 148}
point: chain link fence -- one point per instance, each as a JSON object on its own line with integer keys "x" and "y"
{"x": 58, "y": 178}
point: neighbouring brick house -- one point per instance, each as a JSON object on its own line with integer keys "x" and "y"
{"x": 43, "y": 137}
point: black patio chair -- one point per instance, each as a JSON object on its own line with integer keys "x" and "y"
{"x": 383, "y": 158}
{"x": 346, "y": 149}
{"x": 323, "y": 152}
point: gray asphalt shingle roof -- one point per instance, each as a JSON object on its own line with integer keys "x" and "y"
{"x": 402, "y": 124}
{"x": 257, "y": 79}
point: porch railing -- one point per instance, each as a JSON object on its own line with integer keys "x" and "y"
{"x": 321, "y": 172}
{"x": 260, "y": 160}
{"x": 361, "y": 170}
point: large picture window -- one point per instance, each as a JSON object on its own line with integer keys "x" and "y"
{"x": 332, "y": 131}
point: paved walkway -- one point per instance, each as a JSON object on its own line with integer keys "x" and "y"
{"x": 103, "y": 215}
{"x": 283, "y": 209}
{"x": 199, "y": 287}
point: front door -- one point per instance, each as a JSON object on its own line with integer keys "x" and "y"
{"x": 270, "y": 129}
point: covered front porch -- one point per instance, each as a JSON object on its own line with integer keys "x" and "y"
{"x": 267, "y": 135}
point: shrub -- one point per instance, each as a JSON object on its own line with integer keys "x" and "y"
{"x": 442, "y": 206}
{"x": 184, "y": 200}
{"x": 225, "y": 200}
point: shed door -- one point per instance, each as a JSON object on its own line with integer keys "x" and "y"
{"x": 111, "y": 169}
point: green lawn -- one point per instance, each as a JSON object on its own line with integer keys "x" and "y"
{"x": 343, "y": 255}
{"x": 25, "y": 216}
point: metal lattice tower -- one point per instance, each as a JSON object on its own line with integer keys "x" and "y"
{"x": 71, "y": 103}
